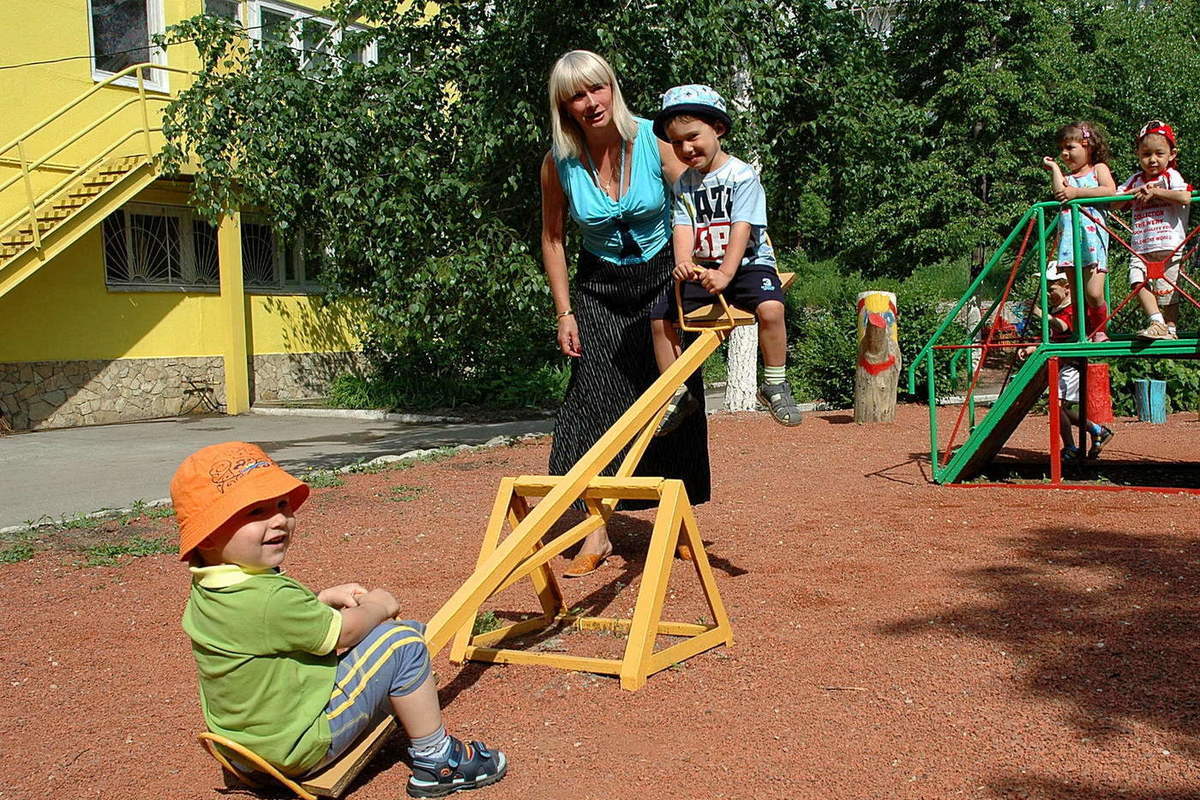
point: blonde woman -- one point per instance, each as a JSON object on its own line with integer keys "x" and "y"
{"x": 609, "y": 173}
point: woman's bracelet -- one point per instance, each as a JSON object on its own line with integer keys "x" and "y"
{"x": 568, "y": 313}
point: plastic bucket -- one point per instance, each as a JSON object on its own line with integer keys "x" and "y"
{"x": 1150, "y": 400}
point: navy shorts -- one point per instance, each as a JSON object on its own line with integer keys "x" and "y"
{"x": 753, "y": 284}
{"x": 392, "y": 660}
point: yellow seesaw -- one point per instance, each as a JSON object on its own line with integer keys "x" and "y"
{"x": 523, "y": 553}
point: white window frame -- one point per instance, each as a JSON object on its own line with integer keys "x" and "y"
{"x": 155, "y": 23}
{"x": 299, "y": 14}
{"x": 239, "y": 4}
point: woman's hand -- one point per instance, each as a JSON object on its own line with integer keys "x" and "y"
{"x": 568, "y": 336}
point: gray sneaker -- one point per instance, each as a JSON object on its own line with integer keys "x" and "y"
{"x": 679, "y": 407}
{"x": 777, "y": 397}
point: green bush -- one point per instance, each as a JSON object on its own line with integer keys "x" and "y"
{"x": 824, "y": 351}
{"x": 1182, "y": 377}
{"x": 397, "y": 387}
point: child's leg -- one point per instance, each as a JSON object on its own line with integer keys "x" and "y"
{"x": 1148, "y": 302}
{"x": 667, "y": 348}
{"x": 389, "y": 670}
{"x": 1096, "y": 310}
{"x": 419, "y": 712}
{"x": 775, "y": 393}
{"x": 666, "y": 343}
{"x": 1065, "y": 422}
{"x": 1069, "y": 421}
{"x": 772, "y": 333}
{"x": 1157, "y": 329}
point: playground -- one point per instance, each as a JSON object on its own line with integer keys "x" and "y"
{"x": 892, "y": 637}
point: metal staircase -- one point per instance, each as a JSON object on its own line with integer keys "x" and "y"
{"x": 114, "y": 143}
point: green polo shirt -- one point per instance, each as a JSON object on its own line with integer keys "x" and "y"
{"x": 264, "y": 647}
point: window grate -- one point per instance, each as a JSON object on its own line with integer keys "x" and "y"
{"x": 168, "y": 246}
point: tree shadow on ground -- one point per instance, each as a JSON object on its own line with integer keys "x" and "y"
{"x": 1023, "y": 787}
{"x": 1114, "y": 468}
{"x": 1104, "y": 620}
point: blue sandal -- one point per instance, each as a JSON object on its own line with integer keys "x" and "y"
{"x": 468, "y": 765}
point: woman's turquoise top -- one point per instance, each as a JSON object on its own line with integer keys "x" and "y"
{"x": 633, "y": 228}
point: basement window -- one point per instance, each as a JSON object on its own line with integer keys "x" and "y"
{"x": 160, "y": 247}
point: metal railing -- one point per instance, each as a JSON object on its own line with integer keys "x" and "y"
{"x": 15, "y": 153}
{"x": 1027, "y": 245}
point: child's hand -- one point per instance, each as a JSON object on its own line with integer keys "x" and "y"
{"x": 1066, "y": 193}
{"x": 1025, "y": 352}
{"x": 1049, "y": 163}
{"x": 1146, "y": 192}
{"x": 383, "y": 598}
{"x": 685, "y": 271}
{"x": 342, "y": 596}
{"x": 714, "y": 280}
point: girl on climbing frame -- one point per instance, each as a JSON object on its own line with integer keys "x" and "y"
{"x": 1084, "y": 173}
{"x": 1160, "y": 219}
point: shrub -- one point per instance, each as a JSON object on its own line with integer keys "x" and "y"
{"x": 824, "y": 348}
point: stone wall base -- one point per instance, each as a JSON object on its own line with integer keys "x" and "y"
{"x": 40, "y": 395}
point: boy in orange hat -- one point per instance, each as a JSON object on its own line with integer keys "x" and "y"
{"x": 266, "y": 646}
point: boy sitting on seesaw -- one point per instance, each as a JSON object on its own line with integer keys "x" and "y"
{"x": 1062, "y": 324}
{"x": 721, "y": 245}
{"x": 265, "y": 645}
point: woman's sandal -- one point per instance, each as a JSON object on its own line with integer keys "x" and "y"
{"x": 585, "y": 564}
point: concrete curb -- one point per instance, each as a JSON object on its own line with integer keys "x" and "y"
{"x": 353, "y": 413}
{"x": 378, "y": 461}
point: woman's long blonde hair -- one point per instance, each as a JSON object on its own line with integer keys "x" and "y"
{"x": 573, "y": 71}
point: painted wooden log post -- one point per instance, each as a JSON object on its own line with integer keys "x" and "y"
{"x": 878, "y": 369}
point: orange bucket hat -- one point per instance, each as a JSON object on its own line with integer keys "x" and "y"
{"x": 213, "y": 484}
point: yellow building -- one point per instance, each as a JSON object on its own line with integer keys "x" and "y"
{"x": 120, "y": 303}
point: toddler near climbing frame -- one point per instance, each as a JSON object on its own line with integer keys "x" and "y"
{"x": 721, "y": 246}
{"x": 1062, "y": 325}
{"x": 266, "y": 646}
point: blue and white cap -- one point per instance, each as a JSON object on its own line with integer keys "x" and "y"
{"x": 691, "y": 98}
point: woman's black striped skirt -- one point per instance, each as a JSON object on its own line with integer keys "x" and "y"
{"x": 611, "y": 304}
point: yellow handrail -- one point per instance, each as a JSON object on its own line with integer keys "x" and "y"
{"x": 31, "y": 166}
{"x": 106, "y": 82}
{"x": 29, "y": 215}
{"x": 79, "y": 172}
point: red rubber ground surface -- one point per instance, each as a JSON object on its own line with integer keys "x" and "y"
{"x": 895, "y": 639}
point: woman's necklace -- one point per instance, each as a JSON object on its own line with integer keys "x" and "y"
{"x": 617, "y": 175}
